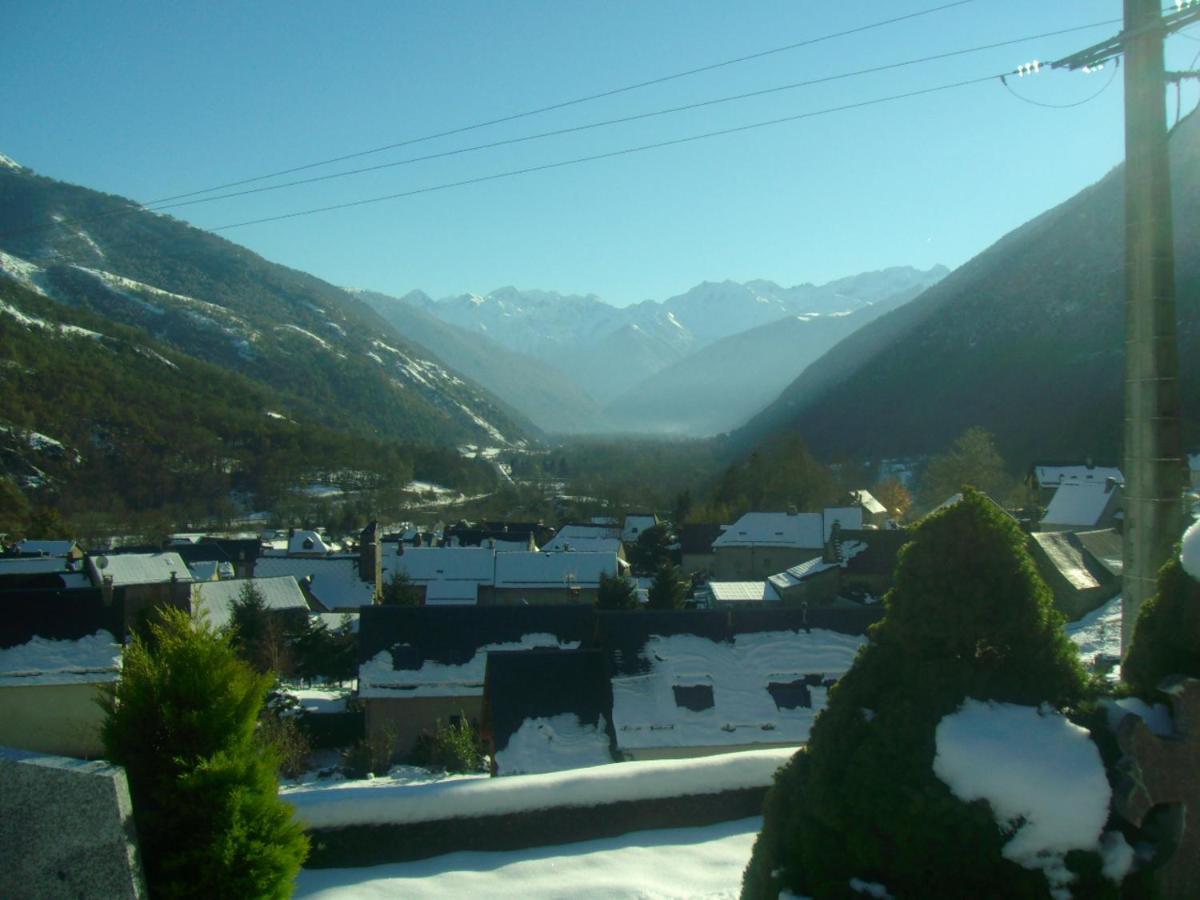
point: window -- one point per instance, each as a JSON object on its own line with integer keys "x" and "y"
{"x": 696, "y": 697}
{"x": 790, "y": 694}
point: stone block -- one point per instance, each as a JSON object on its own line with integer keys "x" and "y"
{"x": 66, "y": 829}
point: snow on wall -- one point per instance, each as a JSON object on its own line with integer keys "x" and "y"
{"x": 1039, "y": 772}
{"x": 646, "y": 714}
{"x": 554, "y": 744}
{"x": 352, "y": 803}
{"x": 377, "y": 678}
{"x": 1189, "y": 552}
{"x": 90, "y": 660}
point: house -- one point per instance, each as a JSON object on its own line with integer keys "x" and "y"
{"x": 547, "y": 577}
{"x": 42, "y": 571}
{"x": 216, "y": 599}
{"x": 501, "y": 535}
{"x": 307, "y": 543}
{"x": 635, "y": 524}
{"x": 1080, "y": 580}
{"x": 422, "y": 665}
{"x": 856, "y": 567}
{"x": 694, "y": 683}
{"x": 547, "y": 710}
{"x": 57, "y": 650}
{"x": 696, "y": 546}
{"x": 1045, "y": 478}
{"x": 62, "y": 549}
{"x": 596, "y": 538}
{"x": 1083, "y": 505}
{"x": 760, "y": 543}
{"x": 843, "y": 517}
{"x": 445, "y": 573}
{"x": 124, "y": 569}
{"x": 873, "y": 512}
{"x": 738, "y": 594}
{"x": 333, "y": 582}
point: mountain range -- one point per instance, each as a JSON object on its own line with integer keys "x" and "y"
{"x": 582, "y": 365}
{"x": 1025, "y": 340}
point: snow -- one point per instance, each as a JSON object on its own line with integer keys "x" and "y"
{"x": 1156, "y": 717}
{"x": 1098, "y": 633}
{"x": 378, "y": 677}
{"x": 34, "y": 322}
{"x": 1041, "y": 774}
{"x": 646, "y": 714}
{"x": 9, "y": 163}
{"x": 554, "y": 744}
{"x": 1079, "y": 503}
{"x": 665, "y": 864}
{"x": 320, "y": 700}
{"x": 1189, "y": 552}
{"x": 870, "y": 889}
{"x": 89, "y": 660}
{"x": 379, "y": 802}
{"x": 308, "y": 334}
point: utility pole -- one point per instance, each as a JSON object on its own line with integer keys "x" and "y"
{"x": 1153, "y": 448}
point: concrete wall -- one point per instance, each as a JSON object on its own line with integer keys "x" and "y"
{"x": 400, "y": 720}
{"x": 62, "y": 719}
{"x": 66, "y": 830}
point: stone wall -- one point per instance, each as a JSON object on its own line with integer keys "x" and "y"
{"x": 67, "y": 830}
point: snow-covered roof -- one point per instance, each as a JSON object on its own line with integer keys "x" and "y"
{"x": 844, "y": 516}
{"x": 216, "y": 598}
{"x": 379, "y": 677}
{"x": 45, "y": 548}
{"x": 335, "y": 581}
{"x": 334, "y": 621}
{"x": 1066, "y": 558}
{"x": 588, "y": 543}
{"x": 540, "y": 569}
{"x": 452, "y": 593}
{"x": 581, "y": 531}
{"x": 95, "y": 659}
{"x": 868, "y": 502}
{"x": 1048, "y": 476}
{"x": 742, "y": 592}
{"x": 803, "y": 530}
{"x": 32, "y": 565}
{"x": 635, "y": 524}
{"x": 760, "y": 688}
{"x": 426, "y": 565}
{"x": 307, "y": 542}
{"x": 1079, "y": 503}
{"x": 139, "y": 568}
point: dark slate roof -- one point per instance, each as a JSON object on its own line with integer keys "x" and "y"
{"x": 530, "y": 684}
{"x": 189, "y": 553}
{"x": 451, "y": 635}
{"x": 60, "y": 615}
{"x": 698, "y": 538}
{"x": 882, "y": 548}
{"x": 235, "y": 549}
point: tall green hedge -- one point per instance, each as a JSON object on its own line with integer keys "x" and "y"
{"x": 1166, "y": 639}
{"x": 968, "y": 617}
{"x": 182, "y": 721}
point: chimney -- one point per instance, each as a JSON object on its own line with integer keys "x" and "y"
{"x": 370, "y": 557}
{"x": 106, "y": 589}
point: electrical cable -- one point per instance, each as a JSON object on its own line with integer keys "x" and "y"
{"x": 573, "y": 102}
{"x": 1111, "y": 78}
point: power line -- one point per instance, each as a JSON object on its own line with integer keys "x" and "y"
{"x": 609, "y": 155}
{"x": 1111, "y": 78}
{"x": 612, "y": 92}
{"x": 637, "y": 116}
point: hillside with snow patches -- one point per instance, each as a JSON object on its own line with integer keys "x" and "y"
{"x": 611, "y": 353}
{"x": 332, "y": 358}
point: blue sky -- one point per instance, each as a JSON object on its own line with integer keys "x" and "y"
{"x": 154, "y": 99}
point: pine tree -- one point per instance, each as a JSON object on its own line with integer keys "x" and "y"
{"x": 182, "y": 721}
{"x": 667, "y": 591}
{"x": 968, "y": 617}
{"x": 616, "y": 592}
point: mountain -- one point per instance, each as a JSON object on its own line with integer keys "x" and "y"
{"x": 607, "y": 351}
{"x": 1025, "y": 340}
{"x": 535, "y": 389}
{"x": 722, "y": 385}
{"x": 328, "y": 355}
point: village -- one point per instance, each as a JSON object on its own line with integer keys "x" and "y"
{"x": 552, "y": 650}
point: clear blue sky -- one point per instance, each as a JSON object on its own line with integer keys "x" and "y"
{"x": 152, "y": 99}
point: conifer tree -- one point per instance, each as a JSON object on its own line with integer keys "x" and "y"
{"x": 968, "y": 617}
{"x": 616, "y": 592}
{"x": 667, "y": 590}
{"x": 182, "y": 721}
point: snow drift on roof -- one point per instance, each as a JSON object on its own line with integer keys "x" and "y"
{"x": 95, "y": 659}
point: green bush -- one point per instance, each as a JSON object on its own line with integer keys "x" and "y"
{"x": 968, "y": 616}
{"x": 1166, "y": 640}
{"x": 182, "y": 721}
{"x": 616, "y": 592}
{"x": 453, "y": 748}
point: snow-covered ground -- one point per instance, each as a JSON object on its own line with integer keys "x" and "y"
{"x": 1098, "y": 634}
{"x": 647, "y": 865}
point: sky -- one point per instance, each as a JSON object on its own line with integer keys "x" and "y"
{"x": 150, "y": 100}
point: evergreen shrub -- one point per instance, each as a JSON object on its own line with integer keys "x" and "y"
{"x": 968, "y": 616}
{"x": 455, "y": 747}
{"x": 1166, "y": 639}
{"x": 183, "y": 720}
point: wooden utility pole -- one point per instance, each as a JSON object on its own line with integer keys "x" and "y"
{"x": 1153, "y": 463}
{"x": 1153, "y": 459}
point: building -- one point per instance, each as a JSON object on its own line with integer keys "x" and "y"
{"x": 547, "y": 577}
{"x": 1045, "y": 478}
{"x": 1083, "y": 505}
